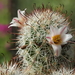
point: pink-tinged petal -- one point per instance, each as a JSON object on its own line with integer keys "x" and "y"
{"x": 14, "y": 25}
{"x": 48, "y": 38}
{"x": 17, "y": 21}
{"x": 53, "y": 30}
{"x": 57, "y": 50}
{"x": 23, "y": 12}
{"x": 21, "y": 15}
{"x": 66, "y": 38}
{"x": 14, "y": 20}
{"x": 63, "y": 30}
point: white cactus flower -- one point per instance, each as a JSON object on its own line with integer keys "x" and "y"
{"x": 20, "y": 20}
{"x": 58, "y": 37}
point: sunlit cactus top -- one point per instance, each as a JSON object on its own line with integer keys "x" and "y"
{"x": 43, "y": 34}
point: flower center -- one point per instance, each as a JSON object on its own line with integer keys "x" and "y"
{"x": 57, "y": 39}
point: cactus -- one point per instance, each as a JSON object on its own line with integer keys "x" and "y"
{"x": 33, "y": 48}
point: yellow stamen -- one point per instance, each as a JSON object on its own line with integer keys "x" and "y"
{"x": 57, "y": 39}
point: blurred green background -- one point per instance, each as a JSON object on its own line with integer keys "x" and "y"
{"x": 8, "y": 10}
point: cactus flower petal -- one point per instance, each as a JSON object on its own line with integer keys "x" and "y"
{"x": 66, "y": 38}
{"x": 57, "y": 50}
{"x": 18, "y": 21}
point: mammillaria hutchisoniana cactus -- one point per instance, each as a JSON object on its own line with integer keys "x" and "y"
{"x": 44, "y": 40}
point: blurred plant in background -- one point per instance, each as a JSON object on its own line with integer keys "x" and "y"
{"x": 4, "y": 29}
{"x": 4, "y": 36}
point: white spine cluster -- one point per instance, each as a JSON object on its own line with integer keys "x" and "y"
{"x": 6, "y": 69}
{"x": 63, "y": 71}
